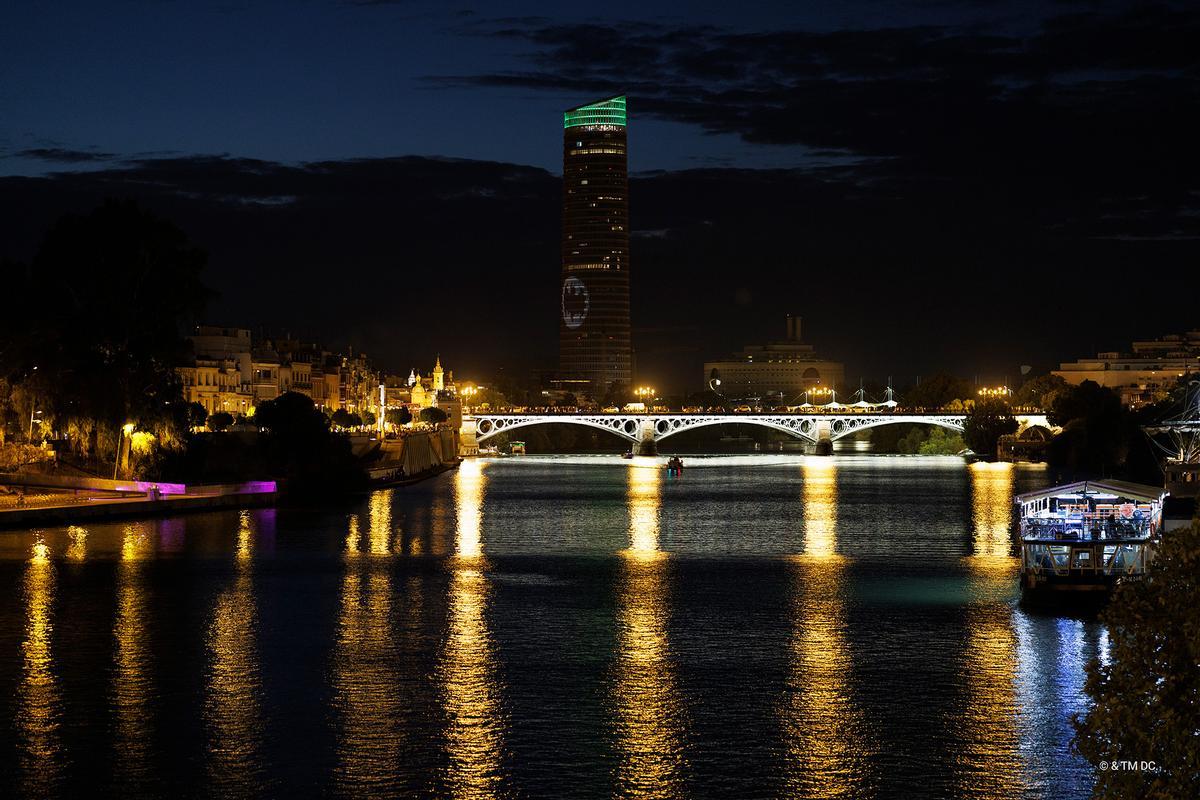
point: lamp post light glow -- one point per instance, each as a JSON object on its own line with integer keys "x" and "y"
{"x": 468, "y": 392}
{"x": 995, "y": 391}
{"x": 644, "y": 393}
{"x": 821, "y": 392}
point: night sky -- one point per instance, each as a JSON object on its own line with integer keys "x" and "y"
{"x": 931, "y": 185}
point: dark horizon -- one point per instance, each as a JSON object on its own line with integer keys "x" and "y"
{"x": 930, "y": 188}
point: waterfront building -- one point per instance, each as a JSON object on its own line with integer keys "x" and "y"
{"x": 1144, "y": 375}
{"x": 217, "y": 385}
{"x": 595, "y": 349}
{"x": 777, "y": 372}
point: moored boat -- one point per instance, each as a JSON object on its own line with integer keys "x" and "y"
{"x": 1080, "y": 539}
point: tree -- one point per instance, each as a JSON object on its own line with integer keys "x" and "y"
{"x": 197, "y": 415}
{"x": 1147, "y": 697}
{"x": 1097, "y": 430}
{"x": 937, "y": 391}
{"x": 300, "y": 447}
{"x": 125, "y": 284}
{"x": 941, "y": 442}
{"x": 398, "y": 416}
{"x": 220, "y": 421}
{"x": 433, "y": 416}
{"x": 987, "y": 421}
{"x": 369, "y": 418}
{"x": 1034, "y": 392}
{"x": 345, "y": 419}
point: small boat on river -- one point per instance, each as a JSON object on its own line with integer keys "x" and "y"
{"x": 1080, "y": 540}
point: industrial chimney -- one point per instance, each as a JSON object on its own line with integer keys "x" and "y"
{"x": 793, "y": 328}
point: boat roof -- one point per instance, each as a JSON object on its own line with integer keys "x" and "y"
{"x": 1126, "y": 489}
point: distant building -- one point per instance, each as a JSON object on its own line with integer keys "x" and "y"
{"x": 781, "y": 370}
{"x": 595, "y": 349}
{"x": 1143, "y": 376}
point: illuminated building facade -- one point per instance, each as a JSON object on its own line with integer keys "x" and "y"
{"x": 781, "y": 370}
{"x": 1143, "y": 376}
{"x": 595, "y": 350}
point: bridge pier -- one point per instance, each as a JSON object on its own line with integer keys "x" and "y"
{"x": 824, "y": 443}
{"x": 646, "y": 444}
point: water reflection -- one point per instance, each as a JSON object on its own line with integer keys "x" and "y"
{"x": 650, "y": 720}
{"x": 76, "y": 544}
{"x": 132, "y": 659}
{"x": 232, "y": 708}
{"x": 988, "y": 759}
{"x": 823, "y": 727}
{"x": 1053, "y": 653}
{"x": 371, "y": 716}
{"x": 470, "y": 690}
{"x": 39, "y": 701}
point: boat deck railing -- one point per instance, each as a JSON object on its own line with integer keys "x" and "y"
{"x": 1086, "y": 528}
{"x": 1087, "y": 558}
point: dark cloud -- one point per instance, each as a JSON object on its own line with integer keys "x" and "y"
{"x": 1086, "y": 117}
{"x": 62, "y": 155}
{"x": 410, "y": 256}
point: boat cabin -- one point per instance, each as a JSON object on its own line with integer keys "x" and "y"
{"x": 1085, "y": 536}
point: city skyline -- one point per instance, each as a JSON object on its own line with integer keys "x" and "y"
{"x": 1015, "y": 154}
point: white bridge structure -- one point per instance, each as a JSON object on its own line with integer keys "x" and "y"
{"x": 647, "y": 430}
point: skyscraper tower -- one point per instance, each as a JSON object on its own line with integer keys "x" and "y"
{"x": 594, "y": 340}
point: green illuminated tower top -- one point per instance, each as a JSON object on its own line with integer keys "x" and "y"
{"x": 601, "y": 112}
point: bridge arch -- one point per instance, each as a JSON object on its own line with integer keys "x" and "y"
{"x": 845, "y": 426}
{"x": 625, "y": 427}
{"x": 668, "y": 426}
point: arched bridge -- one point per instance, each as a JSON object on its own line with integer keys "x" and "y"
{"x": 645, "y": 428}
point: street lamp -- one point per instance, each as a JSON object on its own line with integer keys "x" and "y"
{"x": 469, "y": 392}
{"x": 644, "y": 393}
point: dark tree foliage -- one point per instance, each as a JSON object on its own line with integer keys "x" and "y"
{"x": 1147, "y": 698}
{"x": 197, "y": 415}
{"x": 398, "y": 416}
{"x": 345, "y": 419}
{"x": 301, "y": 449}
{"x": 937, "y": 391}
{"x": 104, "y": 307}
{"x": 220, "y": 421}
{"x": 987, "y": 421}
{"x": 433, "y": 415}
{"x": 1099, "y": 436}
{"x": 1033, "y": 392}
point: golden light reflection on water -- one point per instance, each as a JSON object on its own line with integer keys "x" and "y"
{"x": 823, "y": 727}
{"x": 989, "y": 765}
{"x": 650, "y": 717}
{"x": 131, "y": 678}
{"x": 232, "y": 704}
{"x": 991, "y": 510}
{"x": 77, "y": 544}
{"x": 39, "y": 700}
{"x": 367, "y": 701}
{"x": 470, "y": 689}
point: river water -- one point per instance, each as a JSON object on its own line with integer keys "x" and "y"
{"x": 763, "y": 626}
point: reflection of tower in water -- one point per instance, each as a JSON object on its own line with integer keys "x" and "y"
{"x": 39, "y": 702}
{"x": 470, "y": 690}
{"x": 990, "y": 764}
{"x": 823, "y": 728}
{"x": 650, "y": 719}
{"x": 232, "y": 709}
